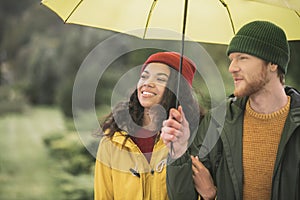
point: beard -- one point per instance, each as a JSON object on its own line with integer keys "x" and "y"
{"x": 252, "y": 84}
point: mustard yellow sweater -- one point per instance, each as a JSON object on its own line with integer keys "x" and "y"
{"x": 261, "y": 136}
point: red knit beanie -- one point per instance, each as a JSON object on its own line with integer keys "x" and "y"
{"x": 172, "y": 59}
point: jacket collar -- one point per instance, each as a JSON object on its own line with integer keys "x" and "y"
{"x": 291, "y": 124}
{"x": 229, "y": 110}
{"x": 295, "y": 104}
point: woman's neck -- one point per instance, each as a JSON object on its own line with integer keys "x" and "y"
{"x": 148, "y": 121}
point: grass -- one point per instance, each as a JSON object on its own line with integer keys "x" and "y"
{"x": 26, "y": 169}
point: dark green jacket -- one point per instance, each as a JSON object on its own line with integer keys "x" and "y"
{"x": 221, "y": 152}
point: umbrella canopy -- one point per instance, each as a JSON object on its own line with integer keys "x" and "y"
{"x": 212, "y": 21}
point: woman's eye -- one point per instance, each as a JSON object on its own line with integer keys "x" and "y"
{"x": 143, "y": 76}
{"x": 162, "y": 79}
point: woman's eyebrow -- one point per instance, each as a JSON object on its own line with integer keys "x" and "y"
{"x": 162, "y": 74}
{"x": 146, "y": 72}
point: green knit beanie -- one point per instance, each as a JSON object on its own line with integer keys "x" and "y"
{"x": 263, "y": 40}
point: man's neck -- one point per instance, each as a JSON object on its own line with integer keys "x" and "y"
{"x": 268, "y": 100}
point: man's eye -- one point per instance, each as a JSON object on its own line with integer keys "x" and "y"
{"x": 243, "y": 57}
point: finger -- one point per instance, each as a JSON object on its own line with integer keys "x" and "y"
{"x": 166, "y": 138}
{"x": 167, "y": 135}
{"x": 175, "y": 135}
{"x": 167, "y": 130}
{"x": 194, "y": 166}
{"x": 175, "y": 114}
{"x": 195, "y": 170}
{"x": 180, "y": 110}
{"x": 194, "y": 159}
{"x": 198, "y": 164}
{"x": 171, "y": 123}
{"x": 183, "y": 118}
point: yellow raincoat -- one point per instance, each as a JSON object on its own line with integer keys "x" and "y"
{"x": 123, "y": 173}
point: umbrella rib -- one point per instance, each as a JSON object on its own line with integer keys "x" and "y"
{"x": 297, "y": 13}
{"x": 71, "y": 13}
{"x": 149, "y": 16}
{"x": 229, "y": 14}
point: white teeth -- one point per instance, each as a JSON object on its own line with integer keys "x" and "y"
{"x": 148, "y": 93}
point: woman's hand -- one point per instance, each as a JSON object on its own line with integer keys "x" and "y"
{"x": 203, "y": 181}
{"x": 176, "y": 132}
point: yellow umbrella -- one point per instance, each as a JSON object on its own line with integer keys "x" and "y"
{"x": 212, "y": 21}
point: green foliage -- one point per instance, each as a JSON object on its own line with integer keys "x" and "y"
{"x": 77, "y": 187}
{"x": 65, "y": 147}
{"x": 68, "y": 149}
{"x": 45, "y": 54}
{"x": 48, "y": 139}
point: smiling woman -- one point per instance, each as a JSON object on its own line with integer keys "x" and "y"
{"x": 131, "y": 150}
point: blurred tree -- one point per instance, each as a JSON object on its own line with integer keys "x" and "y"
{"x": 44, "y": 53}
{"x": 11, "y": 9}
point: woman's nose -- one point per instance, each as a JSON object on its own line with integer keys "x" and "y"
{"x": 149, "y": 82}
